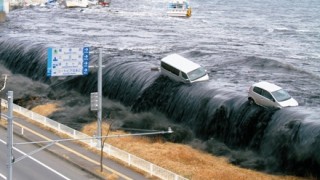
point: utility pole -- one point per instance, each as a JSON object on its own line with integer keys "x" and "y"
{"x": 99, "y": 115}
{"x": 96, "y": 99}
{"x": 9, "y": 135}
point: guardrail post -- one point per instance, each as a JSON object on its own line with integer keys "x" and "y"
{"x": 109, "y": 149}
{"x": 129, "y": 159}
{"x": 151, "y": 169}
{"x": 176, "y": 177}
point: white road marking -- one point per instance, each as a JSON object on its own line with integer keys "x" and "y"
{"x": 1, "y": 175}
{"x": 37, "y": 161}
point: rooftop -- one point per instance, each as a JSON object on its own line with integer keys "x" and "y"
{"x": 180, "y": 63}
{"x": 267, "y": 86}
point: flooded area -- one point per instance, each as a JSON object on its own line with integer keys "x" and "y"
{"x": 238, "y": 42}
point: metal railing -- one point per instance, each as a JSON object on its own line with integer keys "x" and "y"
{"x": 124, "y": 156}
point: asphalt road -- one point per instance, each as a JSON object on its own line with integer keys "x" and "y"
{"x": 42, "y": 165}
{"x": 68, "y": 160}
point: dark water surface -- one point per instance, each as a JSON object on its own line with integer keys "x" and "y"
{"x": 238, "y": 41}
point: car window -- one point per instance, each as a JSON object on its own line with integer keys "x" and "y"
{"x": 266, "y": 94}
{"x": 281, "y": 95}
{"x": 170, "y": 68}
{"x": 197, "y": 73}
{"x": 257, "y": 90}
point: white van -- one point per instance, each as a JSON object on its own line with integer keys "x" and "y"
{"x": 181, "y": 69}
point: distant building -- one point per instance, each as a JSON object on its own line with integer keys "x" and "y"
{"x": 4, "y": 6}
{"x": 2, "y": 11}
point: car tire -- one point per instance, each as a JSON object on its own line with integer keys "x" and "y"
{"x": 251, "y": 101}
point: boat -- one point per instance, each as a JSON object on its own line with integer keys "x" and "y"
{"x": 104, "y": 2}
{"x": 76, "y": 3}
{"x": 179, "y": 8}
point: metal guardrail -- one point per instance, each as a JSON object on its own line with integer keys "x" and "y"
{"x": 124, "y": 156}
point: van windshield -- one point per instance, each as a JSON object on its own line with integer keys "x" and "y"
{"x": 281, "y": 95}
{"x": 197, "y": 73}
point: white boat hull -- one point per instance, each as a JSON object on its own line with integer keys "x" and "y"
{"x": 179, "y": 12}
{"x": 76, "y": 3}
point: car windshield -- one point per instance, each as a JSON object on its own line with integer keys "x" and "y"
{"x": 197, "y": 73}
{"x": 281, "y": 95}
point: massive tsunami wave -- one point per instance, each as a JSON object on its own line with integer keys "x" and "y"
{"x": 222, "y": 121}
{"x": 239, "y": 42}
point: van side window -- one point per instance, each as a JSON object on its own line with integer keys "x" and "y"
{"x": 184, "y": 75}
{"x": 257, "y": 90}
{"x": 170, "y": 68}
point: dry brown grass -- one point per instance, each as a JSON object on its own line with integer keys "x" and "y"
{"x": 46, "y": 109}
{"x": 182, "y": 159}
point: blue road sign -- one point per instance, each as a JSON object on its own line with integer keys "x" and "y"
{"x": 68, "y": 61}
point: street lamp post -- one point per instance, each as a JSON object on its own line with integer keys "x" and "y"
{"x": 96, "y": 99}
{"x": 9, "y": 135}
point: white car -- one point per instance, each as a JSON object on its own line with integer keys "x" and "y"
{"x": 270, "y": 95}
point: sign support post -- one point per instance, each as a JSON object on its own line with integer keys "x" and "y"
{"x": 99, "y": 134}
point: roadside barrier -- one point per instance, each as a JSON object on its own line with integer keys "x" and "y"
{"x": 130, "y": 159}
